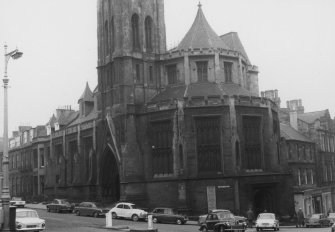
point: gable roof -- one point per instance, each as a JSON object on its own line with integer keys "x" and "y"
{"x": 289, "y": 133}
{"x": 201, "y": 35}
{"x": 311, "y": 117}
{"x": 234, "y": 43}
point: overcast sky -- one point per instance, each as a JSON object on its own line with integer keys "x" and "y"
{"x": 291, "y": 41}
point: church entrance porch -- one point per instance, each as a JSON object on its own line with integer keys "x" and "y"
{"x": 109, "y": 177}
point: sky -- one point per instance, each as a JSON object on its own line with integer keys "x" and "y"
{"x": 291, "y": 41}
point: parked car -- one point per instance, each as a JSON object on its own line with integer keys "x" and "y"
{"x": 28, "y": 219}
{"x": 128, "y": 210}
{"x": 168, "y": 215}
{"x": 242, "y": 221}
{"x": 90, "y": 209}
{"x": 17, "y": 201}
{"x": 59, "y": 205}
{"x": 203, "y": 217}
{"x": 318, "y": 220}
{"x": 333, "y": 228}
{"x": 331, "y": 218}
{"x": 221, "y": 221}
{"x": 267, "y": 221}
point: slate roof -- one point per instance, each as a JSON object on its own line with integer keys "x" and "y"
{"x": 200, "y": 89}
{"x": 201, "y": 35}
{"x": 234, "y": 43}
{"x": 87, "y": 94}
{"x": 170, "y": 92}
{"x": 289, "y": 133}
{"x": 66, "y": 116}
{"x": 310, "y": 117}
{"x": 91, "y": 116}
{"x": 232, "y": 89}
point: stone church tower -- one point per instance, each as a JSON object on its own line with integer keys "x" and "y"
{"x": 131, "y": 37}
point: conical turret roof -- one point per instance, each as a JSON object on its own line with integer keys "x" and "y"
{"x": 201, "y": 35}
{"x": 87, "y": 94}
{"x": 234, "y": 43}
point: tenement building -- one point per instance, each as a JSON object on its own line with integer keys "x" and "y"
{"x": 186, "y": 126}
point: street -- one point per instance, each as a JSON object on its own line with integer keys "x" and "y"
{"x": 70, "y": 222}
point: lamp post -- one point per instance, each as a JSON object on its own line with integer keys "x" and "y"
{"x": 5, "y": 195}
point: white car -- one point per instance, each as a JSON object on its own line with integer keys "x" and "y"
{"x": 28, "y": 220}
{"x": 267, "y": 221}
{"x": 128, "y": 210}
{"x": 17, "y": 201}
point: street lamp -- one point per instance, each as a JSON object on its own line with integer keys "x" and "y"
{"x": 5, "y": 195}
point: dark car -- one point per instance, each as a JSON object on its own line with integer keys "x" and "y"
{"x": 168, "y": 215}
{"x": 318, "y": 220}
{"x": 90, "y": 209}
{"x": 59, "y": 205}
{"x": 221, "y": 221}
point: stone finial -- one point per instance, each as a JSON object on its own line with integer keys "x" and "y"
{"x": 199, "y": 5}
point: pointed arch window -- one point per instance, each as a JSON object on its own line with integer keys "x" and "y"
{"x": 148, "y": 33}
{"x": 106, "y": 42}
{"x": 135, "y": 31}
{"x": 112, "y": 39}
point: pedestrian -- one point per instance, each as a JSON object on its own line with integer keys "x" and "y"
{"x": 300, "y": 217}
{"x": 250, "y": 217}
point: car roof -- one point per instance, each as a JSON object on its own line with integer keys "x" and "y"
{"x": 266, "y": 214}
{"x": 220, "y": 210}
{"x": 125, "y": 203}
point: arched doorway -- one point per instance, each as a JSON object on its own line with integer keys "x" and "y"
{"x": 263, "y": 200}
{"x": 109, "y": 177}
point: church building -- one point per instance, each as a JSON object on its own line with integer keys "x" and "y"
{"x": 185, "y": 127}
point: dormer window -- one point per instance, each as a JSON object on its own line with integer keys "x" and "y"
{"x": 172, "y": 74}
{"x": 56, "y": 126}
{"x": 202, "y": 71}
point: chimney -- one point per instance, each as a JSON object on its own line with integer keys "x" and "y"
{"x": 293, "y": 107}
{"x": 294, "y": 119}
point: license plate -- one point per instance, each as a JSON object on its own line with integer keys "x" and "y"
{"x": 31, "y": 226}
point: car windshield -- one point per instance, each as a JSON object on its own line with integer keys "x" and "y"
{"x": 316, "y": 216}
{"x": 63, "y": 202}
{"x": 25, "y": 214}
{"x": 17, "y": 199}
{"x": 266, "y": 216}
{"x": 225, "y": 215}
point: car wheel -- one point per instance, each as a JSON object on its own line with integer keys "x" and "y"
{"x": 78, "y": 213}
{"x": 179, "y": 222}
{"x": 114, "y": 216}
{"x": 154, "y": 220}
{"x": 134, "y": 217}
{"x": 96, "y": 215}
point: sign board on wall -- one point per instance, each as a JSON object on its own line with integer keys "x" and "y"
{"x": 211, "y": 197}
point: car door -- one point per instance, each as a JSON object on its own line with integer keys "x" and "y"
{"x": 119, "y": 210}
{"x": 80, "y": 208}
{"x": 211, "y": 220}
{"x": 86, "y": 208}
{"x": 127, "y": 211}
{"x": 168, "y": 215}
